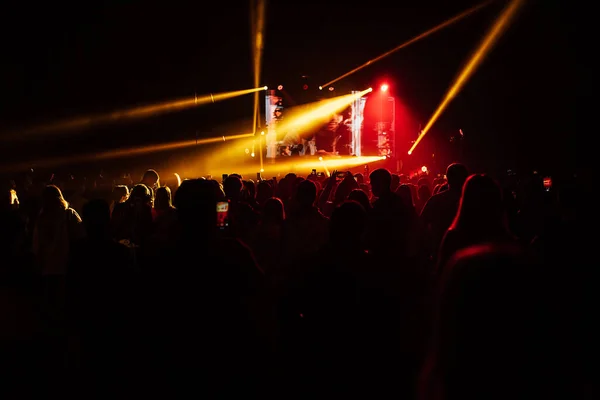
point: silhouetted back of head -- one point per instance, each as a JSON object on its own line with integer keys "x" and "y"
{"x": 306, "y": 194}
{"x": 233, "y": 187}
{"x": 381, "y": 182}
{"x": 151, "y": 178}
{"x": 457, "y": 175}
{"x": 481, "y": 205}
{"x": 251, "y": 188}
{"x": 162, "y": 200}
{"x": 53, "y": 200}
{"x": 348, "y": 223}
{"x": 119, "y": 193}
{"x": 424, "y": 192}
{"x": 96, "y": 218}
{"x": 404, "y": 192}
{"x": 264, "y": 191}
{"x": 195, "y": 201}
{"x": 361, "y": 197}
{"x": 140, "y": 193}
{"x": 273, "y": 211}
{"x": 360, "y": 178}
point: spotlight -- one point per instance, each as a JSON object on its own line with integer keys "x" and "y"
{"x": 247, "y": 151}
{"x": 370, "y": 89}
{"x": 423, "y": 169}
{"x": 331, "y": 88}
{"x": 305, "y": 87}
{"x": 384, "y": 87}
{"x": 262, "y": 170}
{"x": 280, "y": 87}
{"x": 263, "y": 133}
{"x": 320, "y": 158}
{"x": 320, "y": 87}
{"x": 266, "y": 88}
{"x": 409, "y": 152}
{"x": 251, "y": 154}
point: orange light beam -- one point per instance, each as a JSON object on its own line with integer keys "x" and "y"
{"x": 120, "y": 153}
{"x": 484, "y": 48}
{"x": 137, "y": 112}
{"x": 423, "y": 35}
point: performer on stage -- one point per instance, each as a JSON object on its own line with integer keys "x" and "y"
{"x": 343, "y": 140}
{"x": 325, "y": 137}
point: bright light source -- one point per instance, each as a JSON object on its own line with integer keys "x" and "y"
{"x": 320, "y": 87}
{"x": 262, "y": 170}
{"x": 320, "y": 158}
{"x": 266, "y": 88}
{"x": 263, "y": 133}
{"x": 247, "y": 151}
{"x": 384, "y": 87}
{"x": 331, "y": 89}
{"x": 370, "y": 89}
{"x": 251, "y": 154}
{"x": 409, "y": 152}
{"x": 280, "y": 87}
{"x": 305, "y": 87}
{"x": 424, "y": 168}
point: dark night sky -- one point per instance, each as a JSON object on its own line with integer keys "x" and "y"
{"x": 61, "y": 61}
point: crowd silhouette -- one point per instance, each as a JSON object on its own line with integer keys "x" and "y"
{"x": 371, "y": 286}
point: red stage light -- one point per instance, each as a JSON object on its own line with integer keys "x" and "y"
{"x": 331, "y": 88}
{"x": 384, "y": 87}
{"x": 305, "y": 87}
{"x": 280, "y": 87}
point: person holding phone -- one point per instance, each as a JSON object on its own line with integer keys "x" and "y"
{"x": 212, "y": 290}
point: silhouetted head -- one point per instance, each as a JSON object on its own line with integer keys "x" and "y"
{"x": 347, "y": 224}
{"x": 196, "y": 204}
{"x": 264, "y": 191}
{"x": 306, "y": 194}
{"x": 233, "y": 187}
{"x": 96, "y": 218}
{"x": 120, "y": 193}
{"x": 381, "y": 181}
{"x": 251, "y": 188}
{"x": 140, "y": 194}
{"x": 405, "y": 193}
{"x": 456, "y": 174}
{"x": 151, "y": 179}
{"x": 481, "y": 205}
{"x": 53, "y": 200}
{"x": 424, "y": 192}
{"x": 347, "y": 185}
{"x": 273, "y": 211}
{"x": 162, "y": 201}
{"x": 360, "y": 178}
{"x": 360, "y": 197}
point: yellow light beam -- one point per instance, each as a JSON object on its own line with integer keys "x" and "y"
{"x": 137, "y": 112}
{"x": 484, "y": 48}
{"x": 303, "y": 117}
{"x": 257, "y": 23}
{"x": 423, "y": 35}
{"x": 120, "y": 153}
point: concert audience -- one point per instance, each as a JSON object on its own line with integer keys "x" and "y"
{"x": 351, "y": 285}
